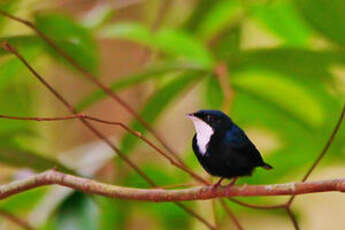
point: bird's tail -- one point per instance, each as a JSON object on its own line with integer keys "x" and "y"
{"x": 266, "y": 166}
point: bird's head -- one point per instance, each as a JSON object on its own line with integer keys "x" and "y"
{"x": 210, "y": 120}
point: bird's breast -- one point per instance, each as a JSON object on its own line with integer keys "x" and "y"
{"x": 202, "y": 141}
{"x": 204, "y": 133}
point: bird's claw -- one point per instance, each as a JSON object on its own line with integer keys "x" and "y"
{"x": 219, "y": 182}
{"x": 231, "y": 184}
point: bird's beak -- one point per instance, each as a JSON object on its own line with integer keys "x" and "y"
{"x": 189, "y": 115}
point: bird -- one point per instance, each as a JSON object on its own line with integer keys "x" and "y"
{"x": 223, "y": 148}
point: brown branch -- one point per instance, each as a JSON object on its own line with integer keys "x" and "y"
{"x": 11, "y": 49}
{"x": 161, "y": 195}
{"x": 222, "y": 74}
{"x": 16, "y": 220}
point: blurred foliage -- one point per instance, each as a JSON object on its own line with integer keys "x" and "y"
{"x": 286, "y": 87}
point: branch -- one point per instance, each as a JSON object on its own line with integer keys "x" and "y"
{"x": 161, "y": 195}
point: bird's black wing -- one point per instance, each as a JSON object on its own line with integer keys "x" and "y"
{"x": 241, "y": 148}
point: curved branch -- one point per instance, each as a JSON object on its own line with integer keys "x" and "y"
{"x": 160, "y": 195}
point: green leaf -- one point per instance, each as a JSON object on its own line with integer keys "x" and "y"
{"x": 23, "y": 43}
{"x": 131, "y": 31}
{"x": 219, "y": 17}
{"x": 200, "y": 10}
{"x": 157, "y": 104}
{"x": 326, "y": 17}
{"x": 23, "y": 202}
{"x": 299, "y": 63}
{"x": 169, "y": 215}
{"x": 153, "y": 72}
{"x": 11, "y": 69}
{"x": 162, "y": 176}
{"x": 172, "y": 42}
{"x": 290, "y": 95}
{"x": 20, "y": 158}
{"x": 228, "y": 42}
{"x": 113, "y": 212}
{"x": 8, "y": 6}
{"x": 74, "y": 39}
{"x": 213, "y": 94}
{"x": 78, "y": 212}
{"x": 282, "y": 19}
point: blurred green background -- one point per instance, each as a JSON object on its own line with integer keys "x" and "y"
{"x": 286, "y": 74}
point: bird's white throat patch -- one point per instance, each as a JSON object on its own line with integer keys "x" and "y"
{"x": 203, "y": 133}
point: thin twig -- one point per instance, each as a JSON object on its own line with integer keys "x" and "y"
{"x": 231, "y": 214}
{"x": 162, "y": 195}
{"x": 323, "y": 152}
{"x": 328, "y": 144}
{"x": 292, "y": 218}
{"x": 11, "y": 49}
{"x": 16, "y": 220}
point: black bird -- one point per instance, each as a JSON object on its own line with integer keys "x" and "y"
{"x": 222, "y": 148}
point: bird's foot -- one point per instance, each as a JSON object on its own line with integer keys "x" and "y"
{"x": 232, "y": 183}
{"x": 219, "y": 182}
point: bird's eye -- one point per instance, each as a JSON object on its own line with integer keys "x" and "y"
{"x": 209, "y": 118}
